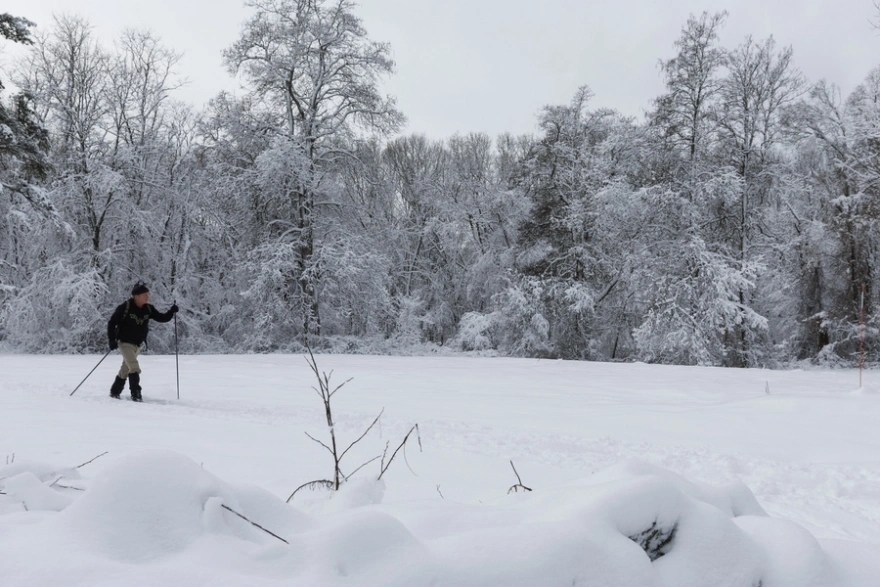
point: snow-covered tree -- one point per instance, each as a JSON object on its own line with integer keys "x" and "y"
{"x": 311, "y": 63}
{"x": 117, "y": 146}
{"x": 580, "y": 154}
{"x": 692, "y": 84}
{"x": 24, "y": 166}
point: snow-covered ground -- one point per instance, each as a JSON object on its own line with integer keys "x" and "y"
{"x": 728, "y": 477}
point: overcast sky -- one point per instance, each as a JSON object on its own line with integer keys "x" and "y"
{"x": 490, "y": 65}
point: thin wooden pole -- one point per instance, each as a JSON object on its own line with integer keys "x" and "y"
{"x": 861, "y": 334}
{"x": 176, "y": 363}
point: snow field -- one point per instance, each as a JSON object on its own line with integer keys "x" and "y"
{"x": 639, "y": 455}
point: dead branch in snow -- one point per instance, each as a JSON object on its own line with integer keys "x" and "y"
{"x": 72, "y": 487}
{"x": 400, "y": 446}
{"x": 91, "y": 460}
{"x": 361, "y": 467}
{"x": 252, "y": 523}
{"x": 313, "y": 485}
{"x": 519, "y": 485}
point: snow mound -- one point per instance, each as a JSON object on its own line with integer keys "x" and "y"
{"x": 28, "y": 489}
{"x": 372, "y": 548}
{"x": 629, "y": 526}
{"x": 160, "y": 518}
{"x": 156, "y": 504}
{"x": 36, "y": 487}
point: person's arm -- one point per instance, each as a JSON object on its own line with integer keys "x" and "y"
{"x": 162, "y": 317}
{"x": 113, "y": 326}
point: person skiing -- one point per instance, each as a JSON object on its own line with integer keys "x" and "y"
{"x": 127, "y": 331}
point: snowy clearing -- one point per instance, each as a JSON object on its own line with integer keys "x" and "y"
{"x": 700, "y": 469}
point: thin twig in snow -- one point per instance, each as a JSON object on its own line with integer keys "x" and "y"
{"x": 89, "y": 461}
{"x": 72, "y": 487}
{"x": 312, "y": 484}
{"x": 361, "y": 467}
{"x": 251, "y": 522}
{"x": 338, "y": 387}
{"x": 401, "y": 445}
{"x": 330, "y": 450}
{"x": 515, "y": 488}
{"x": 370, "y": 427}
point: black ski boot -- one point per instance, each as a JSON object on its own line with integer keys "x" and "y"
{"x": 134, "y": 385}
{"x": 117, "y": 387}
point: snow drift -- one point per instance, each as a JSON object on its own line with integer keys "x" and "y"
{"x": 158, "y": 517}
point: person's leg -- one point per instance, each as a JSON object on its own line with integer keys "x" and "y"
{"x": 130, "y": 354}
{"x": 134, "y": 384}
{"x": 119, "y": 382}
{"x": 123, "y": 369}
{"x": 117, "y": 387}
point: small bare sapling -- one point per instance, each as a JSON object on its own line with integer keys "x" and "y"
{"x": 326, "y": 392}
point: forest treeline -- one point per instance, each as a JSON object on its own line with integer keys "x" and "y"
{"x": 735, "y": 225}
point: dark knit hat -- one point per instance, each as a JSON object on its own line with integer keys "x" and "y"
{"x": 139, "y": 288}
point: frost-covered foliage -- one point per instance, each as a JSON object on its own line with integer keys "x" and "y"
{"x": 60, "y": 310}
{"x": 696, "y": 309}
{"x": 736, "y": 225}
{"x": 355, "y": 289}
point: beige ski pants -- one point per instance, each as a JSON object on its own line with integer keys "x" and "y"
{"x": 129, "y": 354}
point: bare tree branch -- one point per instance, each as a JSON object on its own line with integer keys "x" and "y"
{"x": 361, "y": 467}
{"x": 400, "y": 446}
{"x": 252, "y": 523}
{"x": 330, "y": 450}
{"x": 71, "y": 487}
{"x": 94, "y": 459}
{"x": 370, "y": 427}
{"x": 338, "y": 387}
{"x": 519, "y": 485}
{"x": 312, "y": 485}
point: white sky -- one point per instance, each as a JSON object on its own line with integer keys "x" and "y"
{"x": 490, "y": 65}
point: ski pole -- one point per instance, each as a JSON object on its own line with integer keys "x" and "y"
{"x": 92, "y": 371}
{"x": 176, "y": 364}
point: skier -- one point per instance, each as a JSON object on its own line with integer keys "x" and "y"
{"x": 127, "y": 330}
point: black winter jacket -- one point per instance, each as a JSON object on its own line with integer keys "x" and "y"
{"x": 132, "y": 324}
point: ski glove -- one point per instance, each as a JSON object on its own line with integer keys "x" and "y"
{"x": 173, "y": 309}
{"x": 113, "y": 345}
